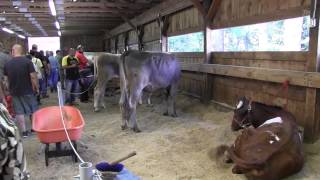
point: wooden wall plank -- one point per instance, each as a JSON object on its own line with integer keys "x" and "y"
{"x": 92, "y": 43}
{"x": 151, "y": 32}
{"x": 298, "y": 78}
{"x": 164, "y": 8}
{"x": 187, "y": 21}
{"x": 257, "y": 11}
{"x": 280, "y": 55}
{"x": 229, "y": 89}
{"x": 272, "y": 64}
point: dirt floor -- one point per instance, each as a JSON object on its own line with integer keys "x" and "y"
{"x": 168, "y": 148}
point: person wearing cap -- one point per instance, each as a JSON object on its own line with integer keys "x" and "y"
{"x": 83, "y": 65}
{"x": 83, "y": 61}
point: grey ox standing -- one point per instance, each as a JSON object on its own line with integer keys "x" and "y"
{"x": 150, "y": 71}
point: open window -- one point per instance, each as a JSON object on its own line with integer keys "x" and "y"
{"x": 284, "y": 35}
{"x": 192, "y": 42}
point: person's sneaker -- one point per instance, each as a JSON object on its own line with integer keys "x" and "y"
{"x": 45, "y": 96}
{"x": 25, "y": 134}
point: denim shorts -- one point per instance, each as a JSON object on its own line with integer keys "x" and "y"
{"x": 25, "y": 105}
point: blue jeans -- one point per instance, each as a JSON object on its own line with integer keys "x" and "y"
{"x": 43, "y": 86}
{"x": 53, "y": 79}
{"x": 72, "y": 86}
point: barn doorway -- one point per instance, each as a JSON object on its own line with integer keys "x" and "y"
{"x": 45, "y": 43}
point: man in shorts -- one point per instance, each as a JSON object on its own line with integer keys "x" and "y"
{"x": 23, "y": 86}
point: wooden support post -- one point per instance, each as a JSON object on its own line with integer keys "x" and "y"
{"x": 163, "y": 23}
{"x": 207, "y": 90}
{"x": 116, "y": 45}
{"x": 312, "y": 94}
{"x": 140, "y": 33}
{"x": 126, "y": 39}
{"x": 213, "y": 10}
{"x": 208, "y": 11}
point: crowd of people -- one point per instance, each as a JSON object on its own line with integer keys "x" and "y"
{"x": 25, "y": 79}
{"x": 28, "y": 78}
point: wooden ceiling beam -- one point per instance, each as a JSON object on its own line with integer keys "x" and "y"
{"x": 164, "y": 8}
{"x": 98, "y": 10}
{"x": 199, "y": 6}
{"x": 213, "y": 10}
{"x": 127, "y": 20}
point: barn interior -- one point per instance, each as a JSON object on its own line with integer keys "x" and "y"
{"x": 266, "y": 50}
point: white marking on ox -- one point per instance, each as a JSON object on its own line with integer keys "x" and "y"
{"x": 240, "y": 104}
{"x": 276, "y": 137}
{"x": 271, "y": 121}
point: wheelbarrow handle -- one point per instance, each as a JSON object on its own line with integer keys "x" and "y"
{"x": 123, "y": 158}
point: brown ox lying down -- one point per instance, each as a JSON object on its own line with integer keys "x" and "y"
{"x": 272, "y": 149}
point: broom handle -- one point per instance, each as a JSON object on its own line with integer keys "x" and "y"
{"x": 124, "y": 158}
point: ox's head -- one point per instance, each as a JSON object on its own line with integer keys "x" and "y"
{"x": 241, "y": 114}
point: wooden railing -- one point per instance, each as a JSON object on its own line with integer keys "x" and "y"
{"x": 298, "y": 78}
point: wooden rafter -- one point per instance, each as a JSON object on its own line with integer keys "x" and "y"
{"x": 98, "y": 15}
{"x": 199, "y": 6}
{"x": 127, "y": 20}
{"x": 213, "y": 9}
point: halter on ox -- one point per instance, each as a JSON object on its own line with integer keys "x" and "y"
{"x": 243, "y": 124}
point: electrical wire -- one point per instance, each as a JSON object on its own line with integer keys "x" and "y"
{"x": 60, "y": 99}
{"x": 97, "y": 174}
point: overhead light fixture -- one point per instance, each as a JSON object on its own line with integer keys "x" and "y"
{"x": 74, "y": 0}
{"x": 16, "y": 7}
{"x": 7, "y": 30}
{"x": 57, "y": 25}
{"x": 16, "y": 3}
{"x": 32, "y": 1}
{"x": 59, "y": 33}
{"x": 23, "y": 9}
{"x": 28, "y": 15}
{"x": 52, "y": 8}
{"x": 20, "y": 36}
{"x": 3, "y": 12}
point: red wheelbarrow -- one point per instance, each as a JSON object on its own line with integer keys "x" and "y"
{"x": 48, "y": 126}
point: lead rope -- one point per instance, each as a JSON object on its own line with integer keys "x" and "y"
{"x": 61, "y": 104}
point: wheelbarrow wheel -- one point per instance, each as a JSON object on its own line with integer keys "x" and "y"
{"x": 46, "y": 154}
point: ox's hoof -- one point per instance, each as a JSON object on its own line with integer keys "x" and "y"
{"x": 236, "y": 170}
{"x": 166, "y": 114}
{"x": 228, "y": 160}
{"x": 136, "y": 130}
{"x": 96, "y": 110}
{"x": 124, "y": 127}
{"x": 174, "y": 115}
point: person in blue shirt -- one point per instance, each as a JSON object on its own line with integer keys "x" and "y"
{"x": 54, "y": 72}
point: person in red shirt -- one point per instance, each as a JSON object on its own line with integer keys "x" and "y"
{"x": 81, "y": 57}
{"x": 83, "y": 67}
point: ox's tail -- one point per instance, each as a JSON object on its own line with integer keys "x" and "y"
{"x": 95, "y": 67}
{"x": 123, "y": 78}
{"x": 122, "y": 70}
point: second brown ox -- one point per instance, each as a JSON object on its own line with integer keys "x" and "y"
{"x": 272, "y": 149}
